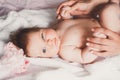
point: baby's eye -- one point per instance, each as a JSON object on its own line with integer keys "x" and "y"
{"x": 42, "y": 36}
{"x": 44, "y": 50}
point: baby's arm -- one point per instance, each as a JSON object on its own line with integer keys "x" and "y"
{"x": 75, "y": 54}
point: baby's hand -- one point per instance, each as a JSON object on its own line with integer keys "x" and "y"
{"x": 67, "y": 3}
{"x": 73, "y": 8}
{"x": 65, "y": 13}
{"x": 61, "y": 12}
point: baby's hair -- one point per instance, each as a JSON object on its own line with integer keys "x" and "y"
{"x": 20, "y": 37}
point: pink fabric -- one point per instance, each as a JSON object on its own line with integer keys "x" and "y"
{"x": 14, "y": 59}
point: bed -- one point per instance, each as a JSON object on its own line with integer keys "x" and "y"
{"x": 53, "y": 68}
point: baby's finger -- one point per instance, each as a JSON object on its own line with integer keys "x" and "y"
{"x": 58, "y": 10}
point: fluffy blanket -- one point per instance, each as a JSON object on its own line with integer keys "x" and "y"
{"x": 54, "y": 68}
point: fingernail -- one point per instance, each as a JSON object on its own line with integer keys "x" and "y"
{"x": 92, "y": 29}
{"x": 88, "y": 39}
{"x": 87, "y": 44}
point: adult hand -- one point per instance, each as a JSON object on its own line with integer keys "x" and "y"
{"x": 110, "y": 45}
{"x": 81, "y": 8}
{"x": 76, "y": 8}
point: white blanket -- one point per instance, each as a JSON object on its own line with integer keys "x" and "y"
{"x": 54, "y": 68}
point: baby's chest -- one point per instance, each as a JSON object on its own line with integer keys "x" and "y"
{"x": 75, "y": 36}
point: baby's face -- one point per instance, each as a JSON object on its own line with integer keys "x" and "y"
{"x": 44, "y": 43}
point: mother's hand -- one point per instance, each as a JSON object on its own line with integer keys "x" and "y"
{"x": 110, "y": 45}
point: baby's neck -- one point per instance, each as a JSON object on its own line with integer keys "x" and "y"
{"x": 59, "y": 34}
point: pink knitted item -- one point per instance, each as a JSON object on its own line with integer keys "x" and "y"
{"x": 14, "y": 59}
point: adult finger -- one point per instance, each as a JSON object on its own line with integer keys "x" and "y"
{"x": 61, "y": 5}
{"x": 109, "y": 33}
{"x": 102, "y": 41}
{"x": 102, "y": 54}
{"x": 76, "y": 13}
{"x": 79, "y": 9}
{"x": 96, "y": 47}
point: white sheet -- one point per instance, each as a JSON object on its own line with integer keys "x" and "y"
{"x": 54, "y": 68}
{"x": 57, "y": 69}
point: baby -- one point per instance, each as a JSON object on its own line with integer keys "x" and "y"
{"x": 68, "y": 40}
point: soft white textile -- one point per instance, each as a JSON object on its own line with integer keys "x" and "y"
{"x": 57, "y": 69}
